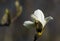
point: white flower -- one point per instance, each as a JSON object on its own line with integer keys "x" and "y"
{"x": 37, "y": 16}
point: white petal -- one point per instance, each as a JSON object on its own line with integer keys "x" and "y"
{"x": 34, "y": 17}
{"x": 28, "y": 24}
{"x": 38, "y": 15}
{"x": 48, "y": 19}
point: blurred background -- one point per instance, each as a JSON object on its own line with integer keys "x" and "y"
{"x": 17, "y": 32}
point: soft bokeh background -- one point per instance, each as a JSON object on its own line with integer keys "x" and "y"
{"x": 17, "y": 32}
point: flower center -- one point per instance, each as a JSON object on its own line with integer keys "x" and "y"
{"x": 38, "y": 26}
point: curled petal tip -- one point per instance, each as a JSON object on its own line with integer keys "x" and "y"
{"x": 51, "y": 17}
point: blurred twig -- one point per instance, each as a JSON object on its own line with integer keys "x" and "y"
{"x": 7, "y": 13}
{"x": 19, "y": 10}
{"x": 8, "y": 35}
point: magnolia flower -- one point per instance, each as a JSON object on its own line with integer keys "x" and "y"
{"x": 38, "y": 17}
{"x": 39, "y": 21}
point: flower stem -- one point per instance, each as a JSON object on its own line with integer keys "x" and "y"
{"x": 35, "y": 37}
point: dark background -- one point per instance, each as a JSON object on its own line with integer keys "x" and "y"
{"x": 17, "y": 32}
